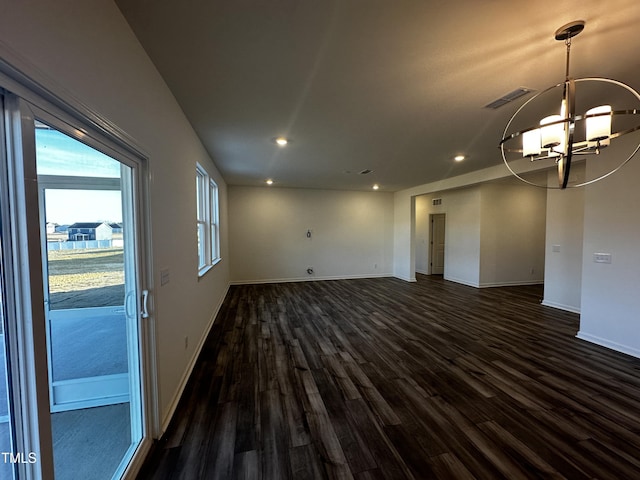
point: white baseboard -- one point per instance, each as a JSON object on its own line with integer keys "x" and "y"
{"x": 461, "y": 281}
{"x": 603, "y": 342}
{"x": 493, "y": 284}
{"x": 406, "y": 279}
{"x": 187, "y": 374}
{"x": 510, "y": 284}
{"x": 308, "y": 279}
{"x": 560, "y": 306}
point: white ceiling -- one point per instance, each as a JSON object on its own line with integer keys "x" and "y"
{"x": 397, "y": 87}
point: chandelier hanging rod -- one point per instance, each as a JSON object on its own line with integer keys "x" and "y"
{"x": 566, "y": 33}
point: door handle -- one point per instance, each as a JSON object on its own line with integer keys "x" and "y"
{"x": 145, "y": 304}
{"x": 128, "y": 309}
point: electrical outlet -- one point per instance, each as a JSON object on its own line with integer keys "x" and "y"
{"x": 186, "y": 342}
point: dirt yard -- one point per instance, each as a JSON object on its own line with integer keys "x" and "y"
{"x": 86, "y": 278}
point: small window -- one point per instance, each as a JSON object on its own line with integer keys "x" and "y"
{"x": 207, "y": 221}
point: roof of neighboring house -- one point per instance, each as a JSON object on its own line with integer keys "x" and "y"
{"x": 115, "y": 225}
{"x": 87, "y": 224}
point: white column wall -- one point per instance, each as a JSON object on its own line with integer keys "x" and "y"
{"x": 462, "y": 235}
{"x": 422, "y": 242}
{"x": 610, "y": 302}
{"x": 563, "y": 245}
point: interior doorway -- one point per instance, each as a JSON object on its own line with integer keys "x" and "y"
{"x": 437, "y": 223}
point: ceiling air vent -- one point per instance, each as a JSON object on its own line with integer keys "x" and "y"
{"x": 436, "y": 201}
{"x": 509, "y": 97}
{"x": 365, "y": 171}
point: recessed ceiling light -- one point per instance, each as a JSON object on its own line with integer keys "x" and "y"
{"x": 281, "y": 141}
{"x": 459, "y": 158}
{"x": 269, "y": 181}
{"x": 376, "y": 186}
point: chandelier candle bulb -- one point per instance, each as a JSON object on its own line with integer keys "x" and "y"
{"x": 599, "y": 128}
{"x": 531, "y": 143}
{"x": 551, "y": 135}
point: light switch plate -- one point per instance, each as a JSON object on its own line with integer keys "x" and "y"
{"x": 602, "y": 257}
{"x": 164, "y": 276}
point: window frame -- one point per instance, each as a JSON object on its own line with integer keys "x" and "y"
{"x": 207, "y": 224}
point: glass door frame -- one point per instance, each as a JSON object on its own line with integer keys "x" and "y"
{"x": 29, "y": 380}
{"x": 80, "y": 393}
{"x": 33, "y": 429}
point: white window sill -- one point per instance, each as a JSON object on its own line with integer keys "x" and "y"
{"x": 206, "y": 268}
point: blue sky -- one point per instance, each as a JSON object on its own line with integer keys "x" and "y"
{"x": 58, "y": 154}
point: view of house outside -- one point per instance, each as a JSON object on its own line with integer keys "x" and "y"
{"x": 84, "y": 227}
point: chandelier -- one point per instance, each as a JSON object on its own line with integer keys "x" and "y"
{"x": 565, "y": 135}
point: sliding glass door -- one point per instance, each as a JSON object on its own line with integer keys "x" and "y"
{"x": 85, "y": 277}
{"x": 90, "y": 290}
{"x": 77, "y": 206}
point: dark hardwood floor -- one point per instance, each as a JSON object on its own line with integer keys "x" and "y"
{"x": 383, "y": 379}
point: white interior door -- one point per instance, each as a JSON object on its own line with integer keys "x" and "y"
{"x": 437, "y": 243}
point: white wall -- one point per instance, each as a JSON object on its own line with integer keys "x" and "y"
{"x": 351, "y": 234}
{"x": 563, "y": 258}
{"x": 512, "y": 234}
{"x": 462, "y": 233}
{"x": 494, "y": 233}
{"x": 404, "y": 247}
{"x": 85, "y": 51}
{"x": 610, "y": 302}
